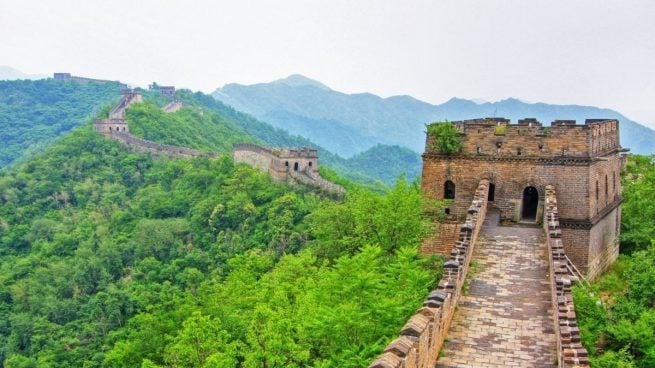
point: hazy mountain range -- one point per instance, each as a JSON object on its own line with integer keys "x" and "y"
{"x": 348, "y": 124}
{"x": 9, "y": 73}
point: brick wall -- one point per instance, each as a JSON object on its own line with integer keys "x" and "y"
{"x": 604, "y": 243}
{"x": 442, "y": 237}
{"x": 563, "y": 275}
{"x": 510, "y": 177}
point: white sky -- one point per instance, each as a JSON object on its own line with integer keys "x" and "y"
{"x": 585, "y": 52}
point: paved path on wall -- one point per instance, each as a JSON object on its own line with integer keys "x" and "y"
{"x": 505, "y": 319}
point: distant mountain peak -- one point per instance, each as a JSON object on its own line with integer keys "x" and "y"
{"x": 298, "y": 80}
{"x": 9, "y": 73}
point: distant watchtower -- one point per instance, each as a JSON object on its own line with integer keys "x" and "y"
{"x": 583, "y": 162}
{"x": 116, "y": 122}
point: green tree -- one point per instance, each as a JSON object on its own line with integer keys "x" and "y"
{"x": 444, "y": 137}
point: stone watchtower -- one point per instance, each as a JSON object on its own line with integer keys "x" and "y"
{"x": 583, "y": 162}
{"x": 116, "y": 123}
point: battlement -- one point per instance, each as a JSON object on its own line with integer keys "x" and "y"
{"x": 168, "y": 91}
{"x": 70, "y": 77}
{"x": 291, "y": 153}
{"x": 497, "y": 137}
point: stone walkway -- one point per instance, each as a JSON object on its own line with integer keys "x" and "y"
{"x": 505, "y": 319}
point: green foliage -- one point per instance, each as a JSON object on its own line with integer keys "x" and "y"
{"x": 638, "y": 222}
{"x": 34, "y": 113}
{"x": 113, "y": 259}
{"x": 188, "y": 127}
{"x": 617, "y": 313}
{"x": 444, "y": 137}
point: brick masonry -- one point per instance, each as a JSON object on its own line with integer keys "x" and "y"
{"x": 583, "y": 162}
{"x": 563, "y": 275}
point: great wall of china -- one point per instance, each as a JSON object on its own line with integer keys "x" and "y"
{"x": 502, "y": 188}
{"x": 516, "y": 309}
{"x": 295, "y": 166}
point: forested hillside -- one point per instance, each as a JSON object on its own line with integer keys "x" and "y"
{"x": 34, "y": 113}
{"x": 112, "y": 259}
{"x": 617, "y": 312}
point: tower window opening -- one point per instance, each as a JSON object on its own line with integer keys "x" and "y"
{"x": 449, "y": 190}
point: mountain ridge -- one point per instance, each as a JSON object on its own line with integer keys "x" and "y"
{"x": 395, "y": 120}
{"x": 9, "y": 73}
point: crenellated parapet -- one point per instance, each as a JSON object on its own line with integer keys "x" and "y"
{"x": 563, "y": 275}
{"x": 529, "y": 139}
{"x": 422, "y": 337}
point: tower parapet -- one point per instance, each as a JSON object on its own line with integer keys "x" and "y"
{"x": 582, "y": 161}
{"x": 497, "y": 137}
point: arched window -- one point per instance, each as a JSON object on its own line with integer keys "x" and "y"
{"x": 110, "y": 129}
{"x": 606, "y": 190}
{"x": 449, "y": 190}
{"x": 295, "y": 166}
{"x": 286, "y": 163}
{"x": 310, "y": 164}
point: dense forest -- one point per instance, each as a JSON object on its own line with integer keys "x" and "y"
{"x": 114, "y": 259}
{"x": 617, "y": 312}
{"x": 34, "y": 113}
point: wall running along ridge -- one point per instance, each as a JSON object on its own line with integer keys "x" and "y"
{"x": 563, "y": 275}
{"x": 279, "y": 163}
{"x": 423, "y": 335}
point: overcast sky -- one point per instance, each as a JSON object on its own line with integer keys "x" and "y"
{"x": 593, "y": 52}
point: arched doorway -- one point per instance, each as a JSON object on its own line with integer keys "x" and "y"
{"x": 530, "y": 204}
{"x": 492, "y": 192}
